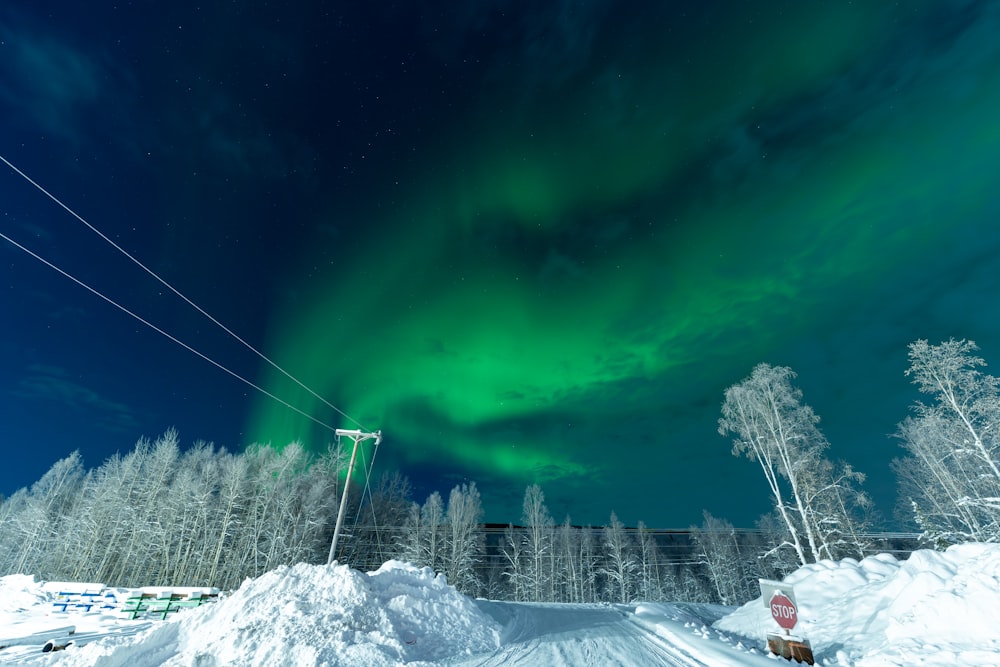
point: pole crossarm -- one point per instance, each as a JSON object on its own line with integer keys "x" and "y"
{"x": 357, "y": 435}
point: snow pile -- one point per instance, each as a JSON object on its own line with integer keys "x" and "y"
{"x": 312, "y": 615}
{"x": 19, "y": 593}
{"x": 936, "y": 608}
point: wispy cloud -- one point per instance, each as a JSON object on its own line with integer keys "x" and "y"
{"x": 54, "y": 85}
{"x": 53, "y": 384}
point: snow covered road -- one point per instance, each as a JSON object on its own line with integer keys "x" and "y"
{"x": 563, "y": 635}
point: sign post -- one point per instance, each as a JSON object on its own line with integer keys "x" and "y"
{"x": 780, "y": 601}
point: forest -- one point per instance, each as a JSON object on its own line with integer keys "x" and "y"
{"x": 160, "y": 515}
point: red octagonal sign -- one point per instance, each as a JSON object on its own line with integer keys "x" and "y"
{"x": 783, "y": 610}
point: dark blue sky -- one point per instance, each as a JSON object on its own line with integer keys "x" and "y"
{"x": 530, "y": 244}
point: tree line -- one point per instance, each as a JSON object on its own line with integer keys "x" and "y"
{"x": 206, "y": 516}
{"x": 156, "y": 515}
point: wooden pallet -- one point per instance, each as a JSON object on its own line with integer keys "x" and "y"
{"x": 790, "y": 648}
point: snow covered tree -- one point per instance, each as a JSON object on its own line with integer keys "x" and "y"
{"x": 512, "y": 548}
{"x": 691, "y": 587}
{"x": 407, "y": 542}
{"x": 539, "y": 565}
{"x": 775, "y": 557}
{"x": 226, "y": 516}
{"x": 110, "y": 497}
{"x": 567, "y": 563}
{"x": 590, "y": 559}
{"x": 463, "y": 541}
{"x": 654, "y": 579}
{"x": 312, "y": 502}
{"x": 620, "y": 562}
{"x": 529, "y": 552}
{"x": 720, "y": 553}
{"x": 842, "y": 511}
{"x": 33, "y": 533}
{"x": 382, "y": 518}
{"x": 204, "y": 517}
{"x": 952, "y": 477}
{"x": 421, "y": 541}
{"x": 10, "y": 510}
{"x": 154, "y": 515}
{"x": 157, "y": 464}
{"x": 773, "y": 427}
{"x": 191, "y": 504}
{"x": 432, "y": 518}
{"x": 575, "y": 564}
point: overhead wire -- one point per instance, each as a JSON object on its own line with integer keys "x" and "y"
{"x": 367, "y": 492}
{"x": 166, "y": 284}
{"x": 367, "y": 466}
{"x": 161, "y": 331}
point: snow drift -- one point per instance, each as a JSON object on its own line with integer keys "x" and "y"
{"x": 936, "y": 608}
{"x": 309, "y": 615}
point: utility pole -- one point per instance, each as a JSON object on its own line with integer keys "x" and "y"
{"x": 357, "y": 437}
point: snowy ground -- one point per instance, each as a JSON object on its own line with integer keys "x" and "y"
{"x": 932, "y": 609}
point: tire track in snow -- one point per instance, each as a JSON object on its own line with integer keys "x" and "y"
{"x": 569, "y": 635}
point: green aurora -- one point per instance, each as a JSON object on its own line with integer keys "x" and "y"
{"x": 530, "y": 242}
{"x": 595, "y": 242}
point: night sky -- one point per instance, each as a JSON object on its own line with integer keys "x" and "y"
{"x": 532, "y": 242}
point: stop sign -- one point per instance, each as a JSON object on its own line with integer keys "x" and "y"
{"x": 783, "y": 610}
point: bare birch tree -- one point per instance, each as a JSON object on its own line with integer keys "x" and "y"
{"x": 538, "y": 534}
{"x": 432, "y": 521}
{"x": 621, "y": 563}
{"x": 773, "y": 427}
{"x": 567, "y": 563}
{"x": 654, "y": 578}
{"x": 512, "y": 549}
{"x": 953, "y": 475}
{"x": 726, "y": 563}
{"x": 32, "y": 530}
{"x": 464, "y": 543}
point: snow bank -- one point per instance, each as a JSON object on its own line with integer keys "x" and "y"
{"x": 935, "y": 608}
{"x": 311, "y": 615}
{"x": 20, "y": 592}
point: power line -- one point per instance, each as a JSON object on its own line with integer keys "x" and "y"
{"x": 161, "y": 331}
{"x": 182, "y": 296}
